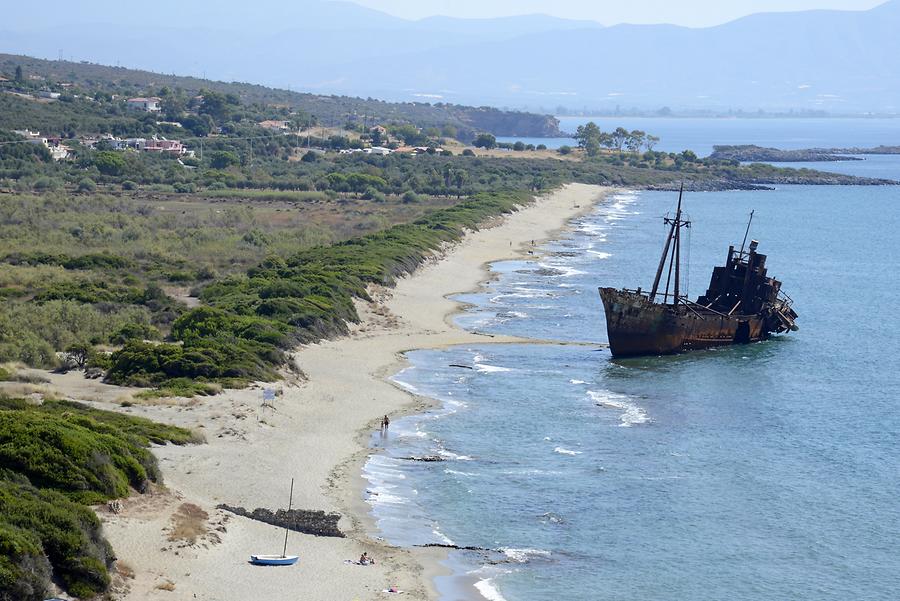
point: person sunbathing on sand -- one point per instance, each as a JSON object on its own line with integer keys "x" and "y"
{"x": 365, "y": 560}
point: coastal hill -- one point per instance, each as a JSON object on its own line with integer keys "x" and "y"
{"x": 839, "y": 61}
{"x": 465, "y": 121}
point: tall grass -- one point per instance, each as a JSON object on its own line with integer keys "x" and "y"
{"x": 267, "y": 195}
{"x": 250, "y": 320}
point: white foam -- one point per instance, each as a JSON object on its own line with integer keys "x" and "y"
{"x": 459, "y": 473}
{"x": 631, "y": 413}
{"x": 488, "y": 590}
{"x": 523, "y": 555}
{"x": 484, "y": 368}
{"x": 386, "y": 499}
{"x": 600, "y": 254}
{"x": 405, "y": 385}
{"x": 565, "y": 270}
{"x": 442, "y": 537}
{"x": 512, "y": 315}
{"x": 450, "y": 455}
{"x": 577, "y": 382}
{"x": 563, "y": 451}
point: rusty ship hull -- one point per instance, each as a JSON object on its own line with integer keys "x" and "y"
{"x": 636, "y": 326}
{"x": 741, "y": 305}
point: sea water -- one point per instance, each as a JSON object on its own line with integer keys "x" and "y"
{"x": 758, "y": 472}
{"x": 700, "y": 135}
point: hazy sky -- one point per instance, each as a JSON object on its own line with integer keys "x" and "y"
{"x": 694, "y": 13}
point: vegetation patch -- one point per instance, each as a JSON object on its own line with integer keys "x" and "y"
{"x": 56, "y": 458}
{"x": 251, "y": 320}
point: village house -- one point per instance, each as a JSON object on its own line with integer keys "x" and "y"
{"x": 148, "y": 105}
{"x": 58, "y": 151}
{"x": 275, "y": 125}
{"x": 171, "y": 146}
{"x": 379, "y": 150}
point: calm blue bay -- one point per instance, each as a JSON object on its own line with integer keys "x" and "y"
{"x": 761, "y": 472}
{"x": 700, "y": 135}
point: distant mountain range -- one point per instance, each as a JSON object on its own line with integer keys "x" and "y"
{"x": 839, "y": 61}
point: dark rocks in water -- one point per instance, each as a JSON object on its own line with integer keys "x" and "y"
{"x": 426, "y": 458}
{"x": 458, "y": 547}
{"x": 547, "y": 271}
{"x": 708, "y": 185}
{"x": 758, "y": 154}
{"x": 779, "y": 177}
{"x": 305, "y": 521}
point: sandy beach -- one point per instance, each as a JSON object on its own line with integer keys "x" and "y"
{"x": 174, "y": 544}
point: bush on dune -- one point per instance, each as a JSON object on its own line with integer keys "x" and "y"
{"x": 55, "y": 458}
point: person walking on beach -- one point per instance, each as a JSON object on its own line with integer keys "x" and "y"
{"x": 385, "y": 423}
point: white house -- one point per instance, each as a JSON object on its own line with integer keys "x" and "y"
{"x": 380, "y": 150}
{"x": 148, "y": 105}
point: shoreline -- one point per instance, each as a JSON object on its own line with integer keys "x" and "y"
{"x": 318, "y": 432}
{"x": 435, "y": 560}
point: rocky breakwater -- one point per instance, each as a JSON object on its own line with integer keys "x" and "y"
{"x": 759, "y": 154}
{"x": 766, "y": 181}
{"x": 306, "y": 521}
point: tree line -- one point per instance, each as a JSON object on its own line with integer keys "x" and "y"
{"x": 592, "y": 139}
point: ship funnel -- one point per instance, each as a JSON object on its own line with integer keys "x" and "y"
{"x": 753, "y": 245}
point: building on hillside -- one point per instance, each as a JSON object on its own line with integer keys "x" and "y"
{"x": 171, "y": 146}
{"x": 275, "y": 125}
{"x": 148, "y": 105}
{"x": 49, "y": 95}
{"x": 379, "y": 150}
{"x": 57, "y": 149}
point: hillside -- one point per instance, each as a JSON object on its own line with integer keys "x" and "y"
{"x": 464, "y": 121}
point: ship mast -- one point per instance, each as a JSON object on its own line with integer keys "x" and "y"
{"x": 674, "y": 234}
{"x": 747, "y": 233}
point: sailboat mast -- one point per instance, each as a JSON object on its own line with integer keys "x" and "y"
{"x": 665, "y": 253}
{"x": 287, "y": 517}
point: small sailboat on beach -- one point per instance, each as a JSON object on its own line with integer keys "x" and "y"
{"x": 283, "y": 559}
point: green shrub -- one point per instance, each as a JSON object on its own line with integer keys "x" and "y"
{"x": 87, "y": 185}
{"x": 53, "y": 458}
{"x": 46, "y": 184}
{"x": 24, "y": 570}
{"x": 109, "y": 162}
